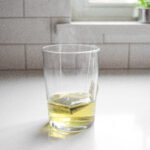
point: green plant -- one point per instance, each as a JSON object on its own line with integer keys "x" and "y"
{"x": 143, "y": 3}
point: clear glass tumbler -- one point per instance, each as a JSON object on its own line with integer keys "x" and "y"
{"x": 71, "y": 79}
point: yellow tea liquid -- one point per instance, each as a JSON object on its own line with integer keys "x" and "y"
{"x": 72, "y": 111}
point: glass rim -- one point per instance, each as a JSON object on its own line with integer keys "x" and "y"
{"x": 93, "y": 49}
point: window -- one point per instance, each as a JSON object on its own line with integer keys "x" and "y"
{"x": 112, "y": 1}
{"x": 103, "y": 10}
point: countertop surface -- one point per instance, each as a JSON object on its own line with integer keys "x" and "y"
{"x": 122, "y": 113}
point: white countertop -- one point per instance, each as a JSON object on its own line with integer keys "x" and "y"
{"x": 122, "y": 113}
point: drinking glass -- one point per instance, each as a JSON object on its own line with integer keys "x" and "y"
{"x": 71, "y": 80}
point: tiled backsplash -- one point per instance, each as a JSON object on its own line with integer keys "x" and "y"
{"x": 123, "y": 45}
{"x": 27, "y": 25}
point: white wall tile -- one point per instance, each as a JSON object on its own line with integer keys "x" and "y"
{"x": 127, "y": 38}
{"x": 54, "y": 22}
{"x": 34, "y": 56}
{"x": 48, "y": 8}
{"x": 113, "y": 32}
{"x": 113, "y": 56}
{"x": 140, "y": 56}
{"x": 127, "y": 33}
{"x": 11, "y": 8}
{"x": 24, "y": 31}
{"x": 67, "y": 33}
{"x": 12, "y": 57}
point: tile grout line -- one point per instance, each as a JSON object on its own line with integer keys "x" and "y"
{"x": 25, "y": 55}
{"x": 23, "y": 8}
{"x": 51, "y": 31}
{"x": 129, "y": 56}
{"x": 102, "y": 69}
{"x": 5, "y": 44}
{"x": 103, "y": 36}
{"x": 44, "y": 43}
{"x": 30, "y": 17}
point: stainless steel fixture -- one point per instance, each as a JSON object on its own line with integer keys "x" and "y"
{"x": 144, "y": 15}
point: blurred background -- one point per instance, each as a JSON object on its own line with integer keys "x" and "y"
{"x": 27, "y": 25}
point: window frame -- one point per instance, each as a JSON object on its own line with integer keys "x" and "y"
{"x": 82, "y": 10}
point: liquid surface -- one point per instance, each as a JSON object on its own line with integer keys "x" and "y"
{"x": 71, "y": 110}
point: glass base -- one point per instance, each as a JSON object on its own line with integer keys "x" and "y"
{"x": 69, "y": 129}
